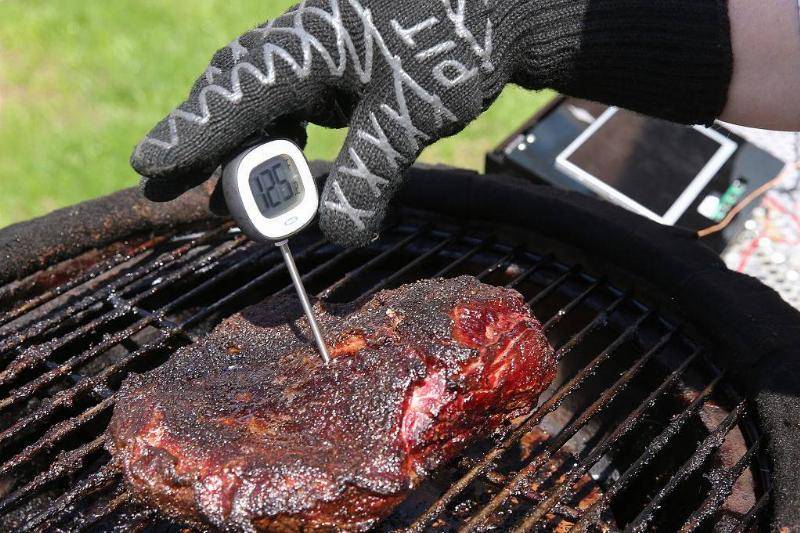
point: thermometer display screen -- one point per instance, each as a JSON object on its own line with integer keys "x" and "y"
{"x": 276, "y": 186}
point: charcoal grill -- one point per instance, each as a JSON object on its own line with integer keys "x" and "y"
{"x": 675, "y": 408}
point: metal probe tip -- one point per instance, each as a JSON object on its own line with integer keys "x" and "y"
{"x": 301, "y": 292}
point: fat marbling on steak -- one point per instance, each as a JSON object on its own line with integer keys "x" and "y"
{"x": 248, "y": 429}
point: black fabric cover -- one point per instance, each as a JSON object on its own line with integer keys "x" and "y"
{"x": 38, "y": 243}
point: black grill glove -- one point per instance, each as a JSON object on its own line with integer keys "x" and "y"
{"x": 403, "y": 74}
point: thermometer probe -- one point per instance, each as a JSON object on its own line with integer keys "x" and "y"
{"x": 271, "y": 195}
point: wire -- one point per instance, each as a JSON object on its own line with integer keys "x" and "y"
{"x": 716, "y": 228}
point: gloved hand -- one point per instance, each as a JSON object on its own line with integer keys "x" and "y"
{"x": 403, "y": 74}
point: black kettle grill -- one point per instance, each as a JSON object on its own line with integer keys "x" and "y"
{"x": 677, "y": 405}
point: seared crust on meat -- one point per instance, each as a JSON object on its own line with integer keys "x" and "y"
{"x": 248, "y": 429}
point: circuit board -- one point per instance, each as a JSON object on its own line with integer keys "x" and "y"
{"x": 769, "y": 246}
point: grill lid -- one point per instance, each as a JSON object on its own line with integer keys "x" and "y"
{"x": 67, "y": 350}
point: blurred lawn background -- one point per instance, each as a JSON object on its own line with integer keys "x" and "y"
{"x": 82, "y": 80}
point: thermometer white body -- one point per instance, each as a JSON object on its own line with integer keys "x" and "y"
{"x": 271, "y": 195}
{"x": 270, "y": 191}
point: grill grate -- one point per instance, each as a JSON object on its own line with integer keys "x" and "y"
{"x": 637, "y": 409}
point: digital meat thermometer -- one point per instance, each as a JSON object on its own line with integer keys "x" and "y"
{"x": 271, "y": 195}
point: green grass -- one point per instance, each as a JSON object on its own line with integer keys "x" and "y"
{"x": 82, "y": 80}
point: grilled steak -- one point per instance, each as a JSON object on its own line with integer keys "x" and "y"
{"x": 249, "y": 429}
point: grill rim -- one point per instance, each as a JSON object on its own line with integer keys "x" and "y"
{"x": 761, "y": 358}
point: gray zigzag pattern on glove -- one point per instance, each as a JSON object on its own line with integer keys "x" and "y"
{"x": 371, "y": 36}
{"x": 344, "y": 44}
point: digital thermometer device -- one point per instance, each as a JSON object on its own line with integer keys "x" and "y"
{"x": 271, "y": 195}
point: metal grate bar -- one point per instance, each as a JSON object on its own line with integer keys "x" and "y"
{"x": 487, "y": 461}
{"x": 105, "y": 493}
{"x": 134, "y": 255}
{"x": 106, "y": 510}
{"x": 261, "y": 255}
{"x": 413, "y": 264}
{"x": 28, "y": 389}
{"x": 117, "y": 312}
{"x": 224, "y": 250}
{"x": 91, "y": 483}
{"x": 597, "y": 321}
{"x": 187, "y": 264}
{"x": 564, "y": 311}
{"x": 600, "y": 404}
{"x": 250, "y": 285}
{"x": 72, "y": 376}
{"x": 38, "y": 353}
{"x": 316, "y": 271}
{"x": 706, "y": 448}
{"x": 482, "y": 245}
{"x": 500, "y": 262}
{"x": 156, "y": 316}
{"x": 557, "y": 496}
{"x": 60, "y": 430}
{"x": 753, "y": 513}
{"x": 74, "y": 312}
{"x": 42, "y": 443}
{"x": 68, "y": 396}
{"x": 352, "y": 274}
{"x": 655, "y": 446}
{"x": 544, "y": 293}
{"x": 215, "y": 279}
{"x": 54, "y": 434}
{"x": 67, "y": 463}
{"x": 66, "y": 318}
{"x": 723, "y": 486}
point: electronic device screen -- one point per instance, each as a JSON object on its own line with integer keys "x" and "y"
{"x": 653, "y": 167}
{"x": 276, "y": 186}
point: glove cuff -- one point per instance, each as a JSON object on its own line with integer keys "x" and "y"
{"x": 667, "y": 58}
